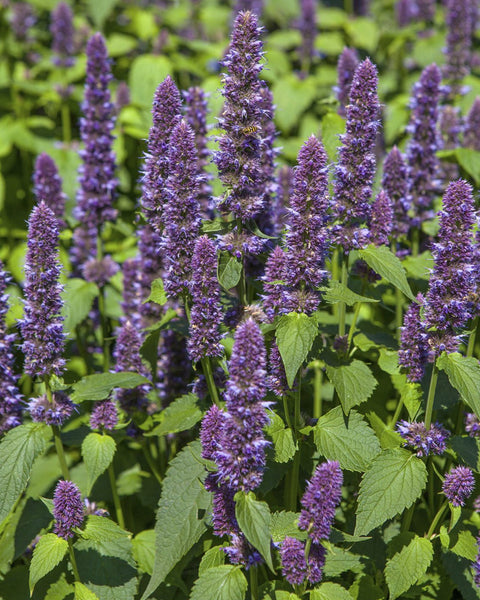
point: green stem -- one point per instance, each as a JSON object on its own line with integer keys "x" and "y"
{"x": 151, "y": 464}
{"x": 353, "y": 325}
{"x": 317, "y": 391}
{"x": 407, "y": 518}
{"x": 471, "y": 339}
{"x": 104, "y": 330}
{"x": 296, "y": 459}
{"x": 116, "y": 497}
{"x": 431, "y": 397}
{"x": 73, "y": 561}
{"x": 286, "y": 411}
{"x": 431, "y": 488}
{"x": 308, "y": 545}
{"x": 342, "y": 306}
{"x": 415, "y": 242}
{"x": 436, "y": 520}
{"x": 212, "y": 388}
{"x": 254, "y": 583}
{"x": 397, "y": 412}
{"x": 66, "y": 123}
{"x": 398, "y": 312}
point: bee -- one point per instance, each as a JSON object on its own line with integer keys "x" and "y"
{"x": 249, "y": 130}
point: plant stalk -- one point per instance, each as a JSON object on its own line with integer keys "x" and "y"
{"x": 116, "y": 497}
{"x": 73, "y": 561}
{"x": 431, "y": 397}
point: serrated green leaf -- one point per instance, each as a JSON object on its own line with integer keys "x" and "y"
{"x": 59, "y": 590}
{"x": 254, "y": 520}
{"x": 461, "y": 543}
{"x": 157, "y": 293}
{"x": 283, "y": 524}
{"x": 284, "y": 444}
{"x": 182, "y": 414}
{"x": 143, "y": 546}
{"x": 295, "y": 335}
{"x": 330, "y": 591}
{"x": 48, "y": 553}
{"x": 179, "y": 524}
{"x": 102, "y": 529}
{"x": 214, "y": 557}
{"x": 97, "y": 452}
{"x": 83, "y": 593}
{"x": 393, "y": 482}
{"x": 78, "y": 296}
{"x": 418, "y": 267}
{"x": 229, "y": 270}
{"x": 468, "y": 159}
{"x": 225, "y": 582}
{"x": 18, "y": 450}
{"x": 354, "y": 383}
{"x": 382, "y": 260}
{"x": 464, "y": 375}
{"x": 347, "y": 439}
{"x": 339, "y": 292}
{"x": 339, "y": 561}
{"x": 406, "y": 567}
{"x": 99, "y": 386}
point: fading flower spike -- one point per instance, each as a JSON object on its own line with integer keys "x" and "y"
{"x": 458, "y": 485}
{"x": 346, "y": 67}
{"x": 62, "y": 30}
{"x": 425, "y": 443}
{"x": 47, "y": 185}
{"x": 308, "y": 32}
{"x": 476, "y": 565}
{"x": 67, "y": 509}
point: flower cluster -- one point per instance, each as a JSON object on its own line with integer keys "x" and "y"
{"x": 54, "y": 412}
{"x": 67, "y": 509}
{"x": 424, "y": 442}
{"x": 458, "y": 485}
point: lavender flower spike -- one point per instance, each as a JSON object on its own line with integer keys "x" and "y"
{"x": 414, "y": 349}
{"x": 346, "y": 66}
{"x": 394, "y": 182}
{"x": 294, "y": 566}
{"x": 104, "y": 414}
{"x": 67, "y": 509}
{"x": 381, "y": 219}
{"x": 458, "y": 485}
{"x": 274, "y": 289}
{"x": 471, "y": 139}
{"x": 307, "y": 237}
{"x": 459, "y": 42}
{"x": 424, "y": 442}
{"x": 62, "y": 30}
{"x": 47, "y": 185}
{"x": 355, "y": 169}
{"x": 42, "y": 324}
{"x": 10, "y": 397}
{"x": 308, "y": 31}
{"x": 320, "y": 500}
{"x": 182, "y": 212}
{"x": 206, "y": 313}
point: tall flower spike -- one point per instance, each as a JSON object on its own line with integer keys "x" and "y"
{"x": 182, "y": 211}
{"x": 448, "y": 306}
{"x": 458, "y": 485}
{"x": 273, "y": 288}
{"x": 308, "y": 31}
{"x": 381, "y": 219}
{"x": 47, "y": 185}
{"x": 241, "y": 456}
{"x": 41, "y": 326}
{"x": 206, "y": 313}
{"x": 394, "y": 182}
{"x": 10, "y": 397}
{"x": 471, "y": 139}
{"x": 320, "y": 500}
{"x": 61, "y": 28}
{"x": 97, "y": 179}
{"x": 459, "y": 42}
{"x": 422, "y": 162}
{"x": 355, "y": 169}
{"x": 346, "y": 67}
{"x": 307, "y": 237}
{"x": 414, "y": 349}
{"x": 67, "y": 509}
{"x": 239, "y": 156}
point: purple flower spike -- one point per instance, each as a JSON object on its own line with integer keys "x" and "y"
{"x": 355, "y": 169}
{"x": 381, "y": 219}
{"x": 426, "y": 9}
{"x": 206, "y": 313}
{"x": 282, "y": 198}
{"x": 422, "y": 162}
{"x": 277, "y": 379}
{"x": 61, "y": 28}
{"x": 67, "y": 509}
{"x": 210, "y": 431}
{"x": 104, "y": 415}
{"x": 274, "y": 289}
{"x": 346, "y": 67}
{"x": 406, "y": 12}
{"x": 239, "y": 158}
{"x": 458, "y": 485}
{"x": 132, "y": 295}
{"x": 182, "y": 211}
{"x": 55, "y": 412}
{"x": 459, "y": 42}
{"x": 10, "y": 397}
{"x": 292, "y": 555}
{"x": 307, "y": 236}
{"x": 100, "y": 271}
{"x": 471, "y": 139}
{"x": 316, "y": 562}
{"x": 394, "y": 182}
{"x": 472, "y": 425}
{"x": 41, "y": 326}
{"x": 308, "y": 30}
{"x": 447, "y": 306}
{"x": 241, "y": 457}
{"x": 417, "y": 437}
{"x": 23, "y": 19}
{"x": 320, "y": 500}
{"x": 414, "y": 349}
{"x": 47, "y": 185}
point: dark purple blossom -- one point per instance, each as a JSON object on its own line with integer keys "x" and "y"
{"x": 47, "y": 185}
{"x": 100, "y": 271}
{"x": 274, "y": 284}
{"x": 394, "y": 182}
{"x": 459, "y": 42}
{"x": 308, "y": 30}
{"x": 67, "y": 509}
{"x": 424, "y": 443}
{"x": 422, "y": 162}
{"x": 346, "y": 67}
{"x": 321, "y": 498}
{"x": 381, "y": 219}
{"x": 458, "y": 485}
{"x": 210, "y": 431}
{"x": 277, "y": 379}
{"x": 41, "y": 326}
{"x": 55, "y": 412}
{"x": 472, "y": 425}
{"x": 292, "y": 555}
{"x": 414, "y": 348}
{"x": 471, "y": 139}
{"x": 206, "y": 312}
{"x": 316, "y": 562}
{"x": 182, "y": 211}
{"x": 104, "y": 415}
{"x": 355, "y": 169}
{"x": 62, "y": 30}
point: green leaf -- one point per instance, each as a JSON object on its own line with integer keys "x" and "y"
{"x": 18, "y": 450}
{"x": 225, "y": 582}
{"x": 47, "y": 554}
{"x": 214, "y": 557}
{"x": 146, "y": 72}
{"x": 182, "y": 414}
{"x": 464, "y": 375}
{"x": 332, "y": 126}
{"x": 468, "y": 159}
{"x": 292, "y": 97}
{"x": 229, "y": 270}
{"x": 284, "y": 524}
{"x": 284, "y": 444}
{"x": 102, "y": 529}
{"x": 143, "y": 545}
{"x": 99, "y": 11}
{"x": 330, "y": 591}
{"x": 295, "y": 335}
{"x": 99, "y": 386}
{"x": 382, "y": 260}
{"x": 83, "y": 593}
{"x": 461, "y": 543}
{"x": 418, "y": 267}
{"x": 363, "y": 32}
{"x": 97, "y": 452}
{"x": 346, "y": 439}
{"x": 339, "y": 292}
{"x": 406, "y": 567}
{"x": 254, "y": 520}
{"x": 339, "y": 561}
{"x": 393, "y": 482}
{"x": 354, "y": 383}
{"x": 78, "y": 296}
{"x": 181, "y": 511}
{"x": 157, "y": 293}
